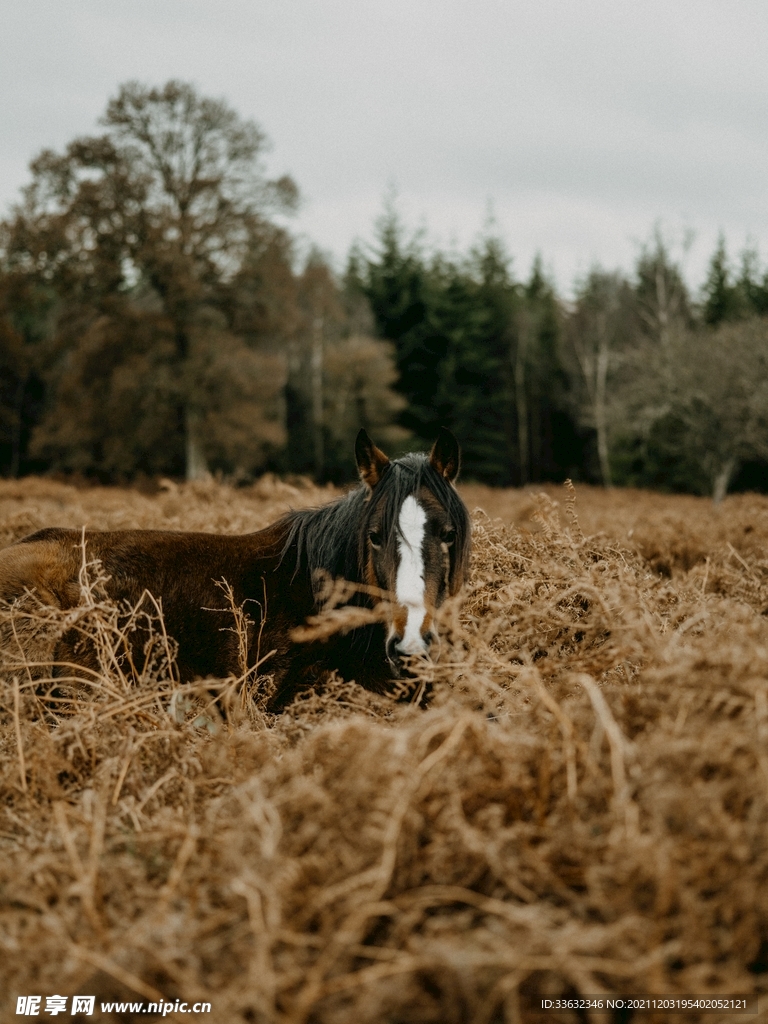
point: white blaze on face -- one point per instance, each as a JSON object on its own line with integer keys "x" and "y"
{"x": 409, "y": 585}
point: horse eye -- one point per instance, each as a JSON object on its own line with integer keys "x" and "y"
{"x": 375, "y": 539}
{"x": 448, "y": 535}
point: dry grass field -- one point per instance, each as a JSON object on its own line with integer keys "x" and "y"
{"x": 582, "y": 807}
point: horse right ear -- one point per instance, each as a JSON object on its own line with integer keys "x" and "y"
{"x": 371, "y": 461}
{"x": 445, "y": 456}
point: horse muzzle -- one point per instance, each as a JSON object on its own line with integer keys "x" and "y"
{"x": 397, "y": 649}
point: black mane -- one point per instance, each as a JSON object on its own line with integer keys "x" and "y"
{"x": 330, "y": 540}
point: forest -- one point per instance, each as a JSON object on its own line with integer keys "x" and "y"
{"x": 157, "y": 319}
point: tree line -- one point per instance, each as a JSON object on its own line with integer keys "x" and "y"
{"x": 155, "y": 319}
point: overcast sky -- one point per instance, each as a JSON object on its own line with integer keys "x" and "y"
{"x": 579, "y": 123}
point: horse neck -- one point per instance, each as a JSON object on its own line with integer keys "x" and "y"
{"x": 326, "y": 539}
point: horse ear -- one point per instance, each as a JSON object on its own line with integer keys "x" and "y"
{"x": 371, "y": 461}
{"x": 445, "y": 457}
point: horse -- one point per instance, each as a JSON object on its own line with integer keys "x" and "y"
{"x": 401, "y": 540}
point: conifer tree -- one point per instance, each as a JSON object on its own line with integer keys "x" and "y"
{"x": 402, "y": 292}
{"x": 722, "y": 298}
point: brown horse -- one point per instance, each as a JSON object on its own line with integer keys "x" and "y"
{"x": 401, "y": 538}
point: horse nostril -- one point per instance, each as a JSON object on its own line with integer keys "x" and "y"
{"x": 393, "y": 654}
{"x": 415, "y": 647}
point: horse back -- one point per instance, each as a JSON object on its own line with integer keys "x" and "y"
{"x": 187, "y": 575}
{"x": 50, "y": 560}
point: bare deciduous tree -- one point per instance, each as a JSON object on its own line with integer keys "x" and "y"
{"x": 720, "y": 391}
{"x": 661, "y": 295}
{"x": 599, "y": 328}
{"x": 360, "y": 374}
{"x": 343, "y": 377}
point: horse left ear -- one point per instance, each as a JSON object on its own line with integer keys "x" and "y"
{"x": 445, "y": 457}
{"x": 371, "y": 461}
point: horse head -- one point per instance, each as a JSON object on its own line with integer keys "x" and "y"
{"x": 414, "y": 539}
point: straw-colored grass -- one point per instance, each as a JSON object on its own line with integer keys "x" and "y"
{"x": 582, "y": 807}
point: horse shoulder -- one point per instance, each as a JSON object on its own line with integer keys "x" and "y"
{"x": 46, "y": 563}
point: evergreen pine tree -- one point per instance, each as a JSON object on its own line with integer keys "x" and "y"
{"x": 722, "y": 299}
{"x": 399, "y": 287}
{"x": 753, "y": 290}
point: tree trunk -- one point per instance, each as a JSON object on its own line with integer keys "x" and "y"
{"x": 535, "y": 418}
{"x": 18, "y": 411}
{"x": 601, "y": 414}
{"x": 593, "y": 362}
{"x": 317, "y": 395}
{"x": 197, "y": 464}
{"x": 722, "y": 480}
{"x": 663, "y": 309}
{"x": 521, "y": 400}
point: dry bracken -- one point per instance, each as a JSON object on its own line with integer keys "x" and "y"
{"x": 573, "y": 799}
